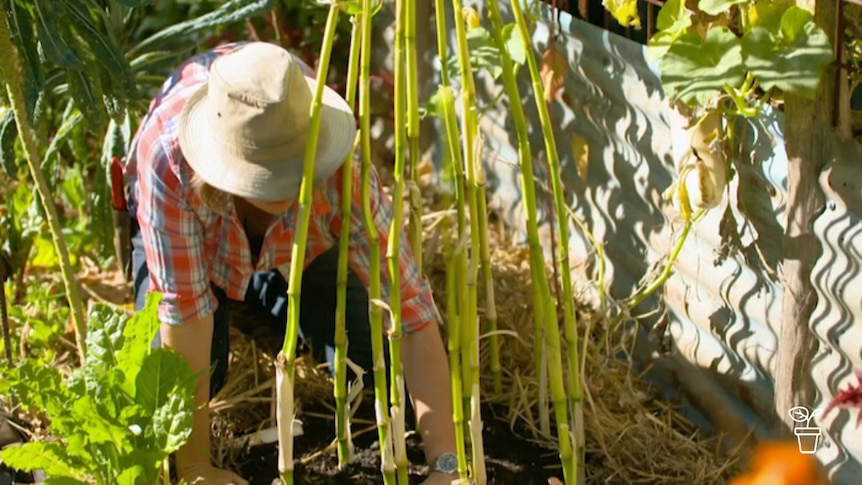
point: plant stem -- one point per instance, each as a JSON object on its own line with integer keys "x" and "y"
{"x": 413, "y": 134}
{"x": 569, "y": 322}
{"x": 655, "y": 285}
{"x": 287, "y": 357}
{"x": 456, "y": 276}
{"x": 342, "y": 411}
{"x": 528, "y": 189}
{"x": 387, "y": 466}
{"x": 10, "y": 65}
{"x": 393, "y": 248}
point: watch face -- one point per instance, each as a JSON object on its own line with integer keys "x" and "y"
{"x": 446, "y": 463}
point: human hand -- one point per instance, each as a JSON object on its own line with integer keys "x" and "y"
{"x": 206, "y": 474}
{"x": 554, "y": 481}
{"x": 438, "y": 478}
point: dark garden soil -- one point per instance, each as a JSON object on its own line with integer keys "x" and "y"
{"x": 510, "y": 459}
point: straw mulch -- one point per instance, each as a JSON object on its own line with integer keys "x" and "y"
{"x": 631, "y": 437}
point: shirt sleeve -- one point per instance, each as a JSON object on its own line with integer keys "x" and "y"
{"x": 417, "y": 303}
{"x": 173, "y": 238}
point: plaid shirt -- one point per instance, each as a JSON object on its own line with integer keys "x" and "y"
{"x": 188, "y": 245}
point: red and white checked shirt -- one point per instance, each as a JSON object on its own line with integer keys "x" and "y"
{"x": 189, "y": 245}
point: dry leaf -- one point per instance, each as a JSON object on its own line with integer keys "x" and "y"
{"x": 553, "y": 71}
{"x": 581, "y": 155}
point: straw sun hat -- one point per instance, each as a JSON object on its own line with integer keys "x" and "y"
{"x": 245, "y": 131}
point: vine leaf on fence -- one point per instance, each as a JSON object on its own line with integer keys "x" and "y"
{"x": 625, "y": 11}
{"x": 514, "y": 44}
{"x": 672, "y": 22}
{"x": 715, "y": 7}
{"x": 768, "y": 13}
{"x": 695, "y": 68}
{"x": 790, "y": 59}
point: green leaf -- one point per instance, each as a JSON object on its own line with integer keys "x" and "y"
{"x": 50, "y": 30}
{"x": 162, "y": 372}
{"x": 172, "y": 423}
{"x": 62, "y": 135}
{"x": 625, "y": 11}
{"x": 87, "y": 93}
{"x": 8, "y": 134}
{"x": 138, "y": 336}
{"x": 63, "y": 481}
{"x": 228, "y": 13}
{"x": 132, "y": 475}
{"x": 21, "y": 29}
{"x": 768, "y": 13}
{"x": 715, "y": 7}
{"x": 39, "y": 455}
{"x": 483, "y": 54}
{"x": 104, "y": 336}
{"x": 695, "y": 69}
{"x": 514, "y": 44}
{"x": 34, "y": 383}
{"x": 791, "y": 60}
{"x": 673, "y": 21}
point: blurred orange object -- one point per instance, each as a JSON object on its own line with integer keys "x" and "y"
{"x": 781, "y": 463}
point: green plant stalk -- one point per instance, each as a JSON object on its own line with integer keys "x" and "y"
{"x": 470, "y": 321}
{"x": 381, "y": 404}
{"x": 488, "y": 280}
{"x": 570, "y": 325}
{"x": 528, "y": 188}
{"x": 455, "y": 276}
{"x": 413, "y": 134}
{"x": 285, "y": 375}
{"x": 393, "y": 247}
{"x": 342, "y": 424}
{"x": 552, "y": 336}
{"x": 655, "y": 285}
{"x": 10, "y": 65}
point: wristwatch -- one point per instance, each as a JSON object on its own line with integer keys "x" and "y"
{"x": 446, "y": 463}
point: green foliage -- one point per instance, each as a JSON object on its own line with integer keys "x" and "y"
{"x": 753, "y": 51}
{"x": 118, "y": 416}
{"x": 694, "y": 68}
{"x": 625, "y": 11}
{"x": 788, "y": 58}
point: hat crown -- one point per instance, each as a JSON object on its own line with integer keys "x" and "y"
{"x": 258, "y": 99}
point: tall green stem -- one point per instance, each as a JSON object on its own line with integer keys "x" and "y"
{"x": 286, "y": 358}
{"x": 456, "y": 270}
{"x": 470, "y": 320}
{"x": 413, "y": 133}
{"x": 375, "y": 312}
{"x": 569, "y": 322}
{"x": 394, "y": 246}
{"x": 552, "y": 335}
{"x": 342, "y": 424}
{"x": 10, "y": 65}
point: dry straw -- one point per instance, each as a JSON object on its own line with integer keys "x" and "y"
{"x": 631, "y": 437}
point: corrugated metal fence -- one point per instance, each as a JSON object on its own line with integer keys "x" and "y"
{"x": 723, "y": 304}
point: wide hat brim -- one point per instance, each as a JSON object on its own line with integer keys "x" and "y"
{"x": 280, "y": 178}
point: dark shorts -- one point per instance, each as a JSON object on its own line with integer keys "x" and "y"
{"x": 263, "y": 313}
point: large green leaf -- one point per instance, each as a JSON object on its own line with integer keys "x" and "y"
{"x": 768, "y": 13}
{"x": 695, "y": 69}
{"x": 63, "y": 481}
{"x": 50, "y": 29}
{"x": 715, "y": 7}
{"x": 673, "y": 21}
{"x": 172, "y": 423}
{"x": 161, "y": 375}
{"x": 514, "y": 44}
{"x": 104, "y": 336}
{"x": 483, "y": 54}
{"x": 39, "y": 455}
{"x": 21, "y": 29}
{"x": 138, "y": 336}
{"x": 791, "y": 59}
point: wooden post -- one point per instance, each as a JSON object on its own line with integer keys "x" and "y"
{"x": 808, "y": 133}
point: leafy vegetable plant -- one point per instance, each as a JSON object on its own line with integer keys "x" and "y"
{"x": 117, "y": 418}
